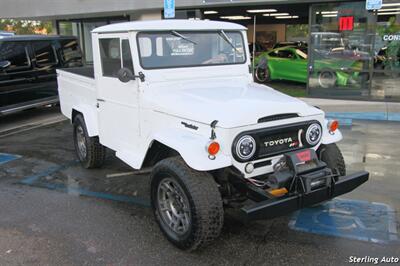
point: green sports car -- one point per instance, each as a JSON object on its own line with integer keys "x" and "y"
{"x": 290, "y": 63}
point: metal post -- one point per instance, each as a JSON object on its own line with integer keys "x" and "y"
{"x": 254, "y": 43}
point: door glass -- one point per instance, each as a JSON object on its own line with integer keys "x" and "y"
{"x": 16, "y": 54}
{"x": 44, "y": 53}
{"x": 341, "y": 50}
{"x": 126, "y": 55}
{"x": 70, "y": 52}
{"x": 386, "y": 77}
{"x": 110, "y": 53}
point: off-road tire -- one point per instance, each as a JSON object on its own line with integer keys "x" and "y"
{"x": 205, "y": 203}
{"x": 332, "y": 156}
{"x": 95, "y": 152}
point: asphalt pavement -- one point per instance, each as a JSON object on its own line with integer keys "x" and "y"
{"x": 54, "y": 212}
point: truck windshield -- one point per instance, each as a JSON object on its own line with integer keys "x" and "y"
{"x": 186, "y": 49}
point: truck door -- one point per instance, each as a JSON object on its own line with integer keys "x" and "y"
{"x": 118, "y": 105}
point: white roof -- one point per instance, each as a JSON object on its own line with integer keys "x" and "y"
{"x": 168, "y": 24}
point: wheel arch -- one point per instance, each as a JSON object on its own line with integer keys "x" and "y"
{"x": 191, "y": 147}
{"x": 90, "y": 117}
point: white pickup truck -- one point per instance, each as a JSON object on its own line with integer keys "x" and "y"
{"x": 178, "y": 96}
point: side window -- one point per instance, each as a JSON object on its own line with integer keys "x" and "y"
{"x": 110, "y": 53}
{"x": 44, "y": 53}
{"x": 70, "y": 51}
{"x": 126, "y": 55}
{"x": 273, "y": 54}
{"x": 16, "y": 53}
{"x": 285, "y": 54}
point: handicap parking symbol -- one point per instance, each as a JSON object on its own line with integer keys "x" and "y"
{"x": 355, "y": 219}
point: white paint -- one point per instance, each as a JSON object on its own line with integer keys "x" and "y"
{"x": 135, "y": 114}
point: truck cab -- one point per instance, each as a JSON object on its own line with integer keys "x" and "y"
{"x": 178, "y": 97}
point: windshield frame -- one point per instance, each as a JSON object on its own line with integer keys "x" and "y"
{"x": 183, "y": 32}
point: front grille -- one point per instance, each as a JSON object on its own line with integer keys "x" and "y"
{"x": 277, "y": 140}
{"x": 277, "y": 117}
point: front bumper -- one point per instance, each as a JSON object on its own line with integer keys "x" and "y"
{"x": 283, "y": 205}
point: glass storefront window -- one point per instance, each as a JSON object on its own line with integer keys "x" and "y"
{"x": 386, "y": 77}
{"x": 340, "y": 50}
{"x": 82, "y": 29}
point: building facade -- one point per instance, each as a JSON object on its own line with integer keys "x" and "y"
{"x": 355, "y": 49}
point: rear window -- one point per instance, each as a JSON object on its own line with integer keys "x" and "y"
{"x": 44, "y": 53}
{"x": 16, "y": 53}
{"x": 70, "y": 51}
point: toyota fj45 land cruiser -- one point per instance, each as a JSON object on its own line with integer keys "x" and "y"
{"x": 178, "y": 96}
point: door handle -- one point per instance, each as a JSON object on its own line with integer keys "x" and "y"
{"x": 101, "y": 100}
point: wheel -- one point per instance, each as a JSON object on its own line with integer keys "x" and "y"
{"x": 327, "y": 79}
{"x": 187, "y": 204}
{"x": 331, "y": 155}
{"x": 88, "y": 149}
{"x": 262, "y": 74}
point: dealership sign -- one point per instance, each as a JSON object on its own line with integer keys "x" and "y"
{"x": 169, "y": 8}
{"x": 373, "y": 4}
{"x": 391, "y": 37}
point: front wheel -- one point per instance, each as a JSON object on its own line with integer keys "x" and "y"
{"x": 332, "y": 156}
{"x": 186, "y": 203}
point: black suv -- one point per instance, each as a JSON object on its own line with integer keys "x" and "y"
{"x": 28, "y": 69}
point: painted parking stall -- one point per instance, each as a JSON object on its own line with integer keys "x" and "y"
{"x": 354, "y": 219}
{"x": 5, "y": 158}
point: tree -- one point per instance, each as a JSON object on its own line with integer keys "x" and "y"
{"x": 26, "y": 26}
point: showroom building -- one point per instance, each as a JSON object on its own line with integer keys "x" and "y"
{"x": 341, "y": 42}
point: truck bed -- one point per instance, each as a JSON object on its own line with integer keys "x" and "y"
{"x": 77, "y": 91}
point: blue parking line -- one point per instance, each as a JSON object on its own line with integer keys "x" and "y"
{"x": 375, "y": 116}
{"x": 5, "y": 158}
{"x": 33, "y": 180}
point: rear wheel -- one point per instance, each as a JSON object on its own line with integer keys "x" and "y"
{"x": 88, "y": 149}
{"x": 187, "y": 204}
{"x": 332, "y": 156}
{"x": 327, "y": 79}
{"x": 262, "y": 74}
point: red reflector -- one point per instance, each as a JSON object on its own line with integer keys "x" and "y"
{"x": 304, "y": 156}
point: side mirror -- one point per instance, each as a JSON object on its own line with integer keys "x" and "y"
{"x": 4, "y": 64}
{"x": 125, "y": 75}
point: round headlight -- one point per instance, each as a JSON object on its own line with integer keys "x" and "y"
{"x": 314, "y": 134}
{"x": 246, "y": 147}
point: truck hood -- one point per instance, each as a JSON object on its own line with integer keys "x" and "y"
{"x": 233, "y": 104}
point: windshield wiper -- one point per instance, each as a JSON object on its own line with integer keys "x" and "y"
{"x": 177, "y": 34}
{"x": 226, "y": 38}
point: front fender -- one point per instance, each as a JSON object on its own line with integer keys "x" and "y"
{"x": 327, "y": 137}
{"x": 192, "y": 149}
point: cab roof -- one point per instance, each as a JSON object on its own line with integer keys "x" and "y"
{"x": 170, "y": 24}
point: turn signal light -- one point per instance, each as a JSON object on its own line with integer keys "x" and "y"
{"x": 333, "y": 125}
{"x": 213, "y": 148}
{"x": 278, "y": 192}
